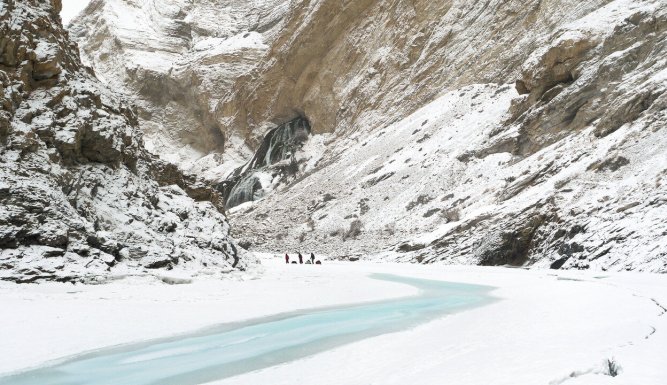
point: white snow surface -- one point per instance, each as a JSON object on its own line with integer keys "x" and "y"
{"x": 547, "y": 328}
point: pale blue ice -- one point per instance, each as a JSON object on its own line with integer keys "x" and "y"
{"x": 231, "y": 350}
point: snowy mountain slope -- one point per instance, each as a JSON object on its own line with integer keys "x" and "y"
{"x": 575, "y": 202}
{"x": 80, "y": 198}
{"x": 499, "y": 132}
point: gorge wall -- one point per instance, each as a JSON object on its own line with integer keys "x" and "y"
{"x": 496, "y": 132}
{"x": 80, "y": 197}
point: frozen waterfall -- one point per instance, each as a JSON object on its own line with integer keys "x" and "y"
{"x": 249, "y": 182}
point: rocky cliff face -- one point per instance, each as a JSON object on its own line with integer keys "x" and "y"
{"x": 497, "y": 132}
{"x": 79, "y": 195}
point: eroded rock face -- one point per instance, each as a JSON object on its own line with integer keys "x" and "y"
{"x": 584, "y": 75}
{"x": 446, "y": 131}
{"x": 177, "y": 60}
{"x": 78, "y": 196}
{"x": 206, "y": 88}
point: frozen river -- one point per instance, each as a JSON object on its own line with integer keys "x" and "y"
{"x": 234, "y": 349}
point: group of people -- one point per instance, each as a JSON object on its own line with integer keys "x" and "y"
{"x": 310, "y": 261}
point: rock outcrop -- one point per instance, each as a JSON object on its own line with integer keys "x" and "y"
{"x": 79, "y": 197}
{"x": 527, "y": 133}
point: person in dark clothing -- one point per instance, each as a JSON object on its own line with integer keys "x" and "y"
{"x": 312, "y": 258}
{"x": 286, "y": 258}
{"x": 300, "y": 258}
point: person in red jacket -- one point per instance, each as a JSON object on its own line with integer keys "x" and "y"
{"x": 286, "y": 258}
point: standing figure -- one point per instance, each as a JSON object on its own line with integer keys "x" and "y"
{"x": 312, "y": 258}
{"x": 286, "y": 258}
{"x": 300, "y": 258}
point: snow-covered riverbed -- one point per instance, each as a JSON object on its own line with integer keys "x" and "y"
{"x": 234, "y": 349}
{"x": 549, "y": 327}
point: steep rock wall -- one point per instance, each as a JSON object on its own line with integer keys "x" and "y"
{"x": 495, "y": 132}
{"x": 79, "y": 200}
{"x": 177, "y": 61}
{"x": 205, "y": 88}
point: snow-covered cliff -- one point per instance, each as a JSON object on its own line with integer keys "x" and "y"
{"x": 497, "y": 132}
{"x": 80, "y": 198}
